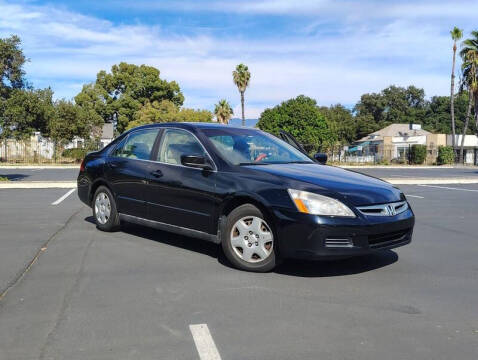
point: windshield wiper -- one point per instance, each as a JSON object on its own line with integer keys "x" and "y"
{"x": 277, "y": 163}
{"x": 253, "y": 163}
{"x": 299, "y": 162}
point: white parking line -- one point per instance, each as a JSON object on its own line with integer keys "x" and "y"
{"x": 415, "y": 196}
{"x": 63, "y": 197}
{"x": 449, "y": 188}
{"x": 205, "y": 345}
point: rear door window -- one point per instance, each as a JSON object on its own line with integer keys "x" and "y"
{"x": 138, "y": 145}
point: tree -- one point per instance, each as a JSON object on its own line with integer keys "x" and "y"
{"x": 223, "y": 111}
{"x": 366, "y": 125}
{"x": 241, "y": 77}
{"x": 193, "y": 115}
{"x": 445, "y": 155}
{"x": 93, "y": 97}
{"x": 418, "y": 154}
{"x": 456, "y": 34}
{"x": 154, "y": 112}
{"x": 120, "y": 94}
{"x": 12, "y": 75}
{"x": 341, "y": 122}
{"x": 437, "y": 117}
{"x": 26, "y": 111}
{"x": 167, "y": 111}
{"x": 469, "y": 53}
{"x": 393, "y": 105}
{"x": 470, "y": 81}
{"x": 302, "y": 119}
{"x": 64, "y": 125}
{"x": 70, "y": 121}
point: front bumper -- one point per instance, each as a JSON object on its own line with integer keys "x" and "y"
{"x": 307, "y": 236}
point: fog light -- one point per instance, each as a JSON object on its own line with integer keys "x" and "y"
{"x": 339, "y": 243}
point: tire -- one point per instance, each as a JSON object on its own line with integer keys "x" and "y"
{"x": 248, "y": 240}
{"x": 104, "y": 210}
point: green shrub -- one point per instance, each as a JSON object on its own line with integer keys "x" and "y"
{"x": 383, "y": 162}
{"x": 76, "y": 153}
{"x": 418, "y": 153}
{"x": 445, "y": 155}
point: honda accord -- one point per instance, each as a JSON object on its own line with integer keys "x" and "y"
{"x": 260, "y": 197}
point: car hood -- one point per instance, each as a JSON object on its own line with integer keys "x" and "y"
{"x": 357, "y": 188}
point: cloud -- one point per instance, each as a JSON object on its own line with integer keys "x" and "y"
{"x": 364, "y": 9}
{"x": 334, "y": 53}
{"x": 250, "y": 112}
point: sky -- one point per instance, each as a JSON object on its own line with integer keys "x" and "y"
{"x": 330, "y": 50}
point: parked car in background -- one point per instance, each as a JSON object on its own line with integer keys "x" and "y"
{"x": 260, "y": 197}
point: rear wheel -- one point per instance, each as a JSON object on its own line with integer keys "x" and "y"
{"x": 104, "y": 210}
{"x": 248, "y": 239}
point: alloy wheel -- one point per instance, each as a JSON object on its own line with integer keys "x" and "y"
{"x": 252, "y": 239}
{"x": 102, "y": 208}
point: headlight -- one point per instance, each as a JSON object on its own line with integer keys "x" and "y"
{"x": 316, "y": 204}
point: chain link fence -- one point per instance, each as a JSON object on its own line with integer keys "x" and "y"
{"x": 29, "y": 152}
{"x": 377, "y": 154}
{"x": 38, "y": 150}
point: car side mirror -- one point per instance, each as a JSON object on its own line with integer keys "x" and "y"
{"x": 321, "y": 158}
{"x": 196, "y": 161}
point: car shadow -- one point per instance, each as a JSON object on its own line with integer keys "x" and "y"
{"x": 330, "y": 268}
{"x": 298, "y": 268}
{"x": 14, "y": 177}
{"x": 164, "y": 237}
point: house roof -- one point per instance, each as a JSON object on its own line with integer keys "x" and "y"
{"x": 394, "y": 130}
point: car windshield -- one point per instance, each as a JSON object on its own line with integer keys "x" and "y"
{"x": 253, "y": 147}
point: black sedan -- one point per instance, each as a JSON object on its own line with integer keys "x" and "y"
{"x": 260, "y": 197}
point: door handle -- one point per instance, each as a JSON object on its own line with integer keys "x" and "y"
{"x": 157, "y": 173}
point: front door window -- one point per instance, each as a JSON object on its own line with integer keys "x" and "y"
{"x": 176, "y": 143}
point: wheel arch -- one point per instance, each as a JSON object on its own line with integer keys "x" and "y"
{"x": 95, "y": 185}
{"x": 237, "y": 200}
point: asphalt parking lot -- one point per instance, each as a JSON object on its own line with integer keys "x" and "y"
{"x": 40, "y": 174}
{"x": 67, "y": 174}
{"x": 417, "y": 172}
{"x": 70, "y": 291}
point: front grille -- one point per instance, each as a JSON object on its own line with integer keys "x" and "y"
{"x": 385, "y": 239}
{"x": 338, "y": 242}
{"x": 390, "y": 209}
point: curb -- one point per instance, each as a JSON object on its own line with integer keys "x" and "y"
{"x": 72, "y": 184}
{"x": 38, "y": 185}
{"x": 423, "y": 181}
{"x": 28, "y": 167}
{"x": 397, "y": 167}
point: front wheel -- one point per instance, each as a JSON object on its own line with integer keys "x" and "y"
{"x": 248, "y": 240}
{"x": 104, "y": 210}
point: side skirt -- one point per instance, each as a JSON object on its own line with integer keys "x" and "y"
{"x": 171, "y": 228}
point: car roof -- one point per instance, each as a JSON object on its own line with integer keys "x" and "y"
{"x": 192, "y": 125}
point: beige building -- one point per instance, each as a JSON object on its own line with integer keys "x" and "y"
{"x": 393, "y": 142}
{"x": 470, "y": 147}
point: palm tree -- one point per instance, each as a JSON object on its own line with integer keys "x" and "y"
{"x": 456, "y": 34}
{"x": 241, "y": 77}
{"x": 467, "y": 83}
{"x": 469, "y": 54}
{"x": 223, "y": 111}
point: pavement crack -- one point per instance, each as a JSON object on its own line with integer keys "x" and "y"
{"x": 66, "y": 301}
{"x": 29, "y": 265}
